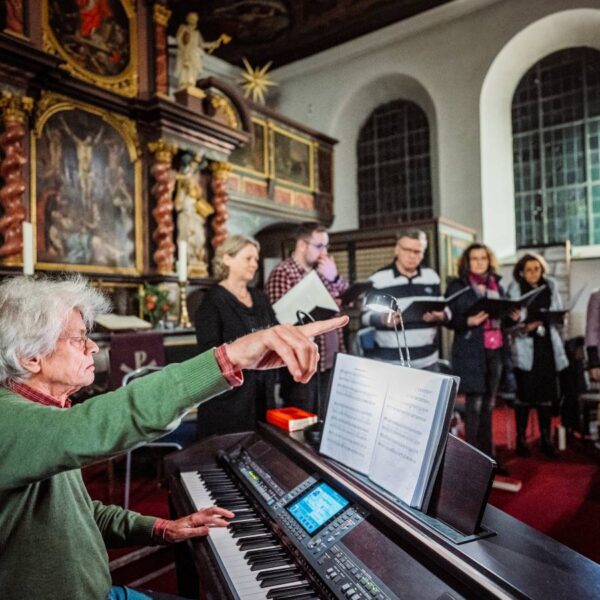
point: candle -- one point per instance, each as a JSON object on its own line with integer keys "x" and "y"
{"x": 182, "y": 261}
{"x": 27, "y": 248}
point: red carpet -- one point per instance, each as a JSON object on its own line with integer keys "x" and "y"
{"x": 560, "y": 498}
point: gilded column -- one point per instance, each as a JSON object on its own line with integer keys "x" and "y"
{"x": 220, "y": 175}
{"x": 161, "y": 15}
{"x": 14, "y": 117}
{"x": 162, "y": 192}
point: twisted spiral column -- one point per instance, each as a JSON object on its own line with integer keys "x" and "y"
{"x": 162, "y": 192}
{"x": 161, "y": 15}
{"x": 220, "y": 175}
{"x": 14, "y": 116}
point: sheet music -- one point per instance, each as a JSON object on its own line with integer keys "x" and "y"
{"x": 117, "y": 322}
{"x": 389, "y": 423}
{"x": 401, "y": 450}
{"x": 306, "y": 295}
{"x": 358, "y": 390}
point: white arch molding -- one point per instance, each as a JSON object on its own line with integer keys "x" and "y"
{"x": 558, "y": 31}
{"x": 347, "y": 122}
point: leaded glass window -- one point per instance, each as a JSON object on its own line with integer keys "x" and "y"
{"x": 556, "y": 133}
{"x": 394, "y": 175}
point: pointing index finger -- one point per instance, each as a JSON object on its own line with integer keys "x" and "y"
{"x": 321, "y": 327}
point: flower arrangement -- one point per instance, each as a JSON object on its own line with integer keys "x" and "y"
{"x": 155, "y": 303}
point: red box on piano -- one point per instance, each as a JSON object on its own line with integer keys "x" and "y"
{"x": 290, "y": 418}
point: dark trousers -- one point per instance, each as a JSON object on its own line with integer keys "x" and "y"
{"x": 478, "y": 414}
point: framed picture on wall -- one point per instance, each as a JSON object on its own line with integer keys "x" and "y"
{"x": 86, "y": 194}
{"x": 292, "y": 158}
{"x": 252, "y": 158}
{"x": 96, "y": 38}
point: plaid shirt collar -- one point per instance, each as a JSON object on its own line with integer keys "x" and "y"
{"x": 35, "y": 396}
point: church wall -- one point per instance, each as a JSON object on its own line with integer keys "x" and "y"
{"x": 465, "y": 59}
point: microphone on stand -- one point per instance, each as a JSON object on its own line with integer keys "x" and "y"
{"x": 313, "y": 433}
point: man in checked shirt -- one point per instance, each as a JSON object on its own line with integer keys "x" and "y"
{"x": 310, "y": 252}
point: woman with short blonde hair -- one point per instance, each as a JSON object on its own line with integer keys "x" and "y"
{"x": 230, "y": 247}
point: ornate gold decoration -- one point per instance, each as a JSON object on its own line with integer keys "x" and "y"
{"x": 161, "y": 14}
{"x": 255, "y": 81}
{"x": 184, "y": 317}
{"x": 220, "y": 170}
{"x": 15, "y": 108}
{"x": 221, "y": 103}
{"x": 125, "y": 83}
{"x": 163, "y": 151}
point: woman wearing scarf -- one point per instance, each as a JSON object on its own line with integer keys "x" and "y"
{"x": 478, "y": 348}
{"x": 537, "y": 351}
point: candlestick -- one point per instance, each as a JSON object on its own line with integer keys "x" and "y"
{"x": 184, "y": 318}
{"x": 27, "y": 248}
{"x": 182, "y": 261}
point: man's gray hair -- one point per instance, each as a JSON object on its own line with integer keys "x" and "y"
{"x": 34, "y": 313}
{"x": 413, "y": 233}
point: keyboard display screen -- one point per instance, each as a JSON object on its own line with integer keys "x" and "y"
{"x": 315, "y": 508}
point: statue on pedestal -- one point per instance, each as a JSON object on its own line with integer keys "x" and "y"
{"x": 192, "y": 212}
{"x": 190, "y": 51}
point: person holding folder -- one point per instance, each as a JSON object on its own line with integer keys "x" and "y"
{"x": 537, "y": 349}
{"x": 478, "y": 348}
{"x": 406, "y": 279}
{"x": 310, "y": 253}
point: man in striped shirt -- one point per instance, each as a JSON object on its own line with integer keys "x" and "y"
{"x": 405, "y": 279}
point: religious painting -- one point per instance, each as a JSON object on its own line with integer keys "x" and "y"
{"x": 252, "y": 157}
{"x": 86, "y": 197}
{"x": 96, "y": 38}
{"x": 292, "y": 158}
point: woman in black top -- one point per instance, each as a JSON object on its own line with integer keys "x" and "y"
{"x": 229, "y": 310}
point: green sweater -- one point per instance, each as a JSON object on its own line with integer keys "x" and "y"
{"x": 53, "y": 537}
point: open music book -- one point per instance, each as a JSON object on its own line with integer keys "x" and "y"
{"x": 498, "y": 308}
{"x": 310, "y": 296}
{"x": 414, "y": 308}
{"x": 389, "y": 423}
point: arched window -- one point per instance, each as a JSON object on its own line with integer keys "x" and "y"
{"x": 394, "y": 175}
{"x": 556, "y": 134}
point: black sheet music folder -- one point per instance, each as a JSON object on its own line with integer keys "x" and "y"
{"x": 551, "y": 317}
{"x": 498, "y": 308}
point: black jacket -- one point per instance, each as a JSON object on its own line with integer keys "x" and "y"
{"x": 221, "y": 318}
{"x": 468, "y": 352}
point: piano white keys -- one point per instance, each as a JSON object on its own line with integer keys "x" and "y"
{"x": 236, "y": 569}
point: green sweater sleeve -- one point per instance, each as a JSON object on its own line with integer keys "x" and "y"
{"x": 120, "y": 527}
{"x": 39, "y": 441}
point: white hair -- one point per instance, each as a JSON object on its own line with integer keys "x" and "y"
{"x": 34, "y": 313}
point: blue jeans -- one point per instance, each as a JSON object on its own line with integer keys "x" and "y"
{"x": 120, "y": 592}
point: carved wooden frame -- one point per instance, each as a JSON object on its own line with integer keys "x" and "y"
{"x": 275, "y": 130}
{"x": 51, "y": 104}
{"x": 126, "y": 82}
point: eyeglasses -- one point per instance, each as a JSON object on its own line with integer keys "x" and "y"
{"x": 320, "y": 246}
{"x": 411, "y": 251}
{"x": 80, "y": 342}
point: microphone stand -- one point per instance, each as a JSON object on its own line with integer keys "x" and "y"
{"x": 314, "y": 432}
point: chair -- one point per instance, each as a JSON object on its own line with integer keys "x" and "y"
{"x": 168, "y": 441}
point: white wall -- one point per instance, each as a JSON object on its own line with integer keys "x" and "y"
{"x": 464, "y": 61}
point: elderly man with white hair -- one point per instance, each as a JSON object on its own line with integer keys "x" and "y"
{"x": 53, "y": 537}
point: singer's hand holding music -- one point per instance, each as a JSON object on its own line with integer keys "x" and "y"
{"x": 283, "y": 345}
{"x": 478, "y": 319}
{"x": 434, "y": 316}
